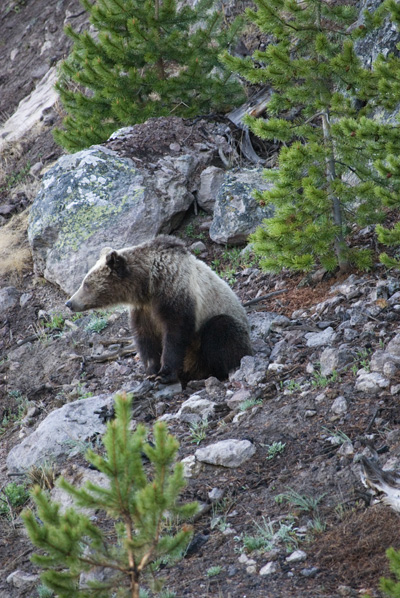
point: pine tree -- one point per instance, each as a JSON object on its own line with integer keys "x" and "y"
{"x": 138, "y": 506}
{"x": 148, "y": 58}
{"x": 338, "y": 165}
{"x": 391, "y": 587}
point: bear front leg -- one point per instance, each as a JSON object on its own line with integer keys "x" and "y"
{"x": 178, "y": 332}
{"x": 174, "y": 349}
{"x": 148, "y": 341}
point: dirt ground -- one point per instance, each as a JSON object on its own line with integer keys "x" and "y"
{"x": 346, "y": 557}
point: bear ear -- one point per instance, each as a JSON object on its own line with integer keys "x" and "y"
{"x": 105, "y": 250}
{"x": 116, "y": 262}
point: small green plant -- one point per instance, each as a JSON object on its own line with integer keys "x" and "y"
{"x": 56, "y": 322}
{"x": 303, "y": 502}
{"x": 338, "y": 435}
{"x": 16, "y": 178}
{"x": 213, "y": 571}
{"x": 249, "y": 403}
{"x": 44, "y": 592}
{"x": 391, "y": 587}
{"x": 135, "y": 502}
{"x": 319, "y": 381}
{"x": 292, "y": 385}
{"x": 82, "y": 392}
{"x": 363, "y": 357}
{"x": 97, "y": 323}
{"x": 198, "y": 431}
{"x": 267, "y": 537}
{"x": 274, "y": 449}
{"x": 12, "y": 497}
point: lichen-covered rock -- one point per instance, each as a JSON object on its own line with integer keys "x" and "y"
{"x": 95, "y": 198}
{"x": 236, "y": 212}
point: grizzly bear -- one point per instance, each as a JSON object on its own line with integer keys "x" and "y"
{"x": 187, "y": 322}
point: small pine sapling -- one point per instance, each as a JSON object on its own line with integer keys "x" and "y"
{"x": 136, "y": 503}
{"x": 338, "y": 163}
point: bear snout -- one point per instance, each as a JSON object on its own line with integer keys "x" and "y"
{"x": 69, "y": 304}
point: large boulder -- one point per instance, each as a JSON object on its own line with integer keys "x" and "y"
{"x": 236, "y": 212}
{"x": 60, "y": 433}
{"x": 95, "y": 198}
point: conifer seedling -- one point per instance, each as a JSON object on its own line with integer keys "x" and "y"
{"x": 146, "y": 58}
{"x": 338, "y": 165}
{"x": 134, "y": 501}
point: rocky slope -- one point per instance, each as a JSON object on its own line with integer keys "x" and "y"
{"x": 321, "y": 391}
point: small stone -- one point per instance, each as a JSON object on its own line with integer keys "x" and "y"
{"x": 318, "y": 339}
{"x": 269, "y": 568}
{"x": 310, "y": 413}
{"x": 371, "y": 383}
{"x": 228, "y": 453}
{"x": 311, "y": 572}
{"x": 21, "y": 580}
{"x": 216, "y": 494}
{"x": 339, "y": 406}
{"x": 9, "y": 297}
{"x": 198, "y": 247}
{"x": 296, "y": 556}
{"x": 191, "y": 467}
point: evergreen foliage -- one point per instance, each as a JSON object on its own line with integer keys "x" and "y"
{"x": 391, "y": 587}
{"x": 339, "y": 165}
{"x": 148, "y": 58}
{"x": 136, "y": 503}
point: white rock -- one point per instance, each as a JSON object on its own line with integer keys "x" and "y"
{"x": 195, "y": 409}
{"x": 371, "y": 383}
{"x": 269, "y": 568}
{"x": 339, "y": 406}
{"x": 318, "y": 339}
{"x": 296, "y": 556}
{"x": 20, "y": 579}
{"x": 191, "y": 467}
{"x": 227, "y": 453}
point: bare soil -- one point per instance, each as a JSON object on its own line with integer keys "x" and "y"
{"x": 349, "y": 551}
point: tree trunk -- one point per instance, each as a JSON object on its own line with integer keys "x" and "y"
{"x": 340, "y": 244}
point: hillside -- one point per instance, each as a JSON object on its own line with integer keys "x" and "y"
{"x": 320, "y": 393}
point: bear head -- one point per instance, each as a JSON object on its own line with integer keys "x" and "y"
{"x": 104, "y": 285}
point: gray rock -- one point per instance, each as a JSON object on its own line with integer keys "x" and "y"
{"x": 319, "y": 339}
{"x": 9, "y": 297}
{"x": 332, "y": 359}
{"x": 21, "y": 580}
{"x": 236, "y": 212}
{"x": 211, "y": 180}
{"x": 269, "y": 568}
{"x": 227, "y": 453}
{"x": 339, "y": 406}
{"x": 296, "y": 556}
{"x": 238, "y": 397}
{"x": 93, "y": 199}
{"x": 83, "y": 475}
{"x": 260, "y": 324}
{"x": 371, "y": 383}
{"x": 394, "y": 346}
{"x": 59, "y": 433}
{"x": 196, "y": 409}
{"x": 381, "y": 41}
{"x": 252, "y": 370}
